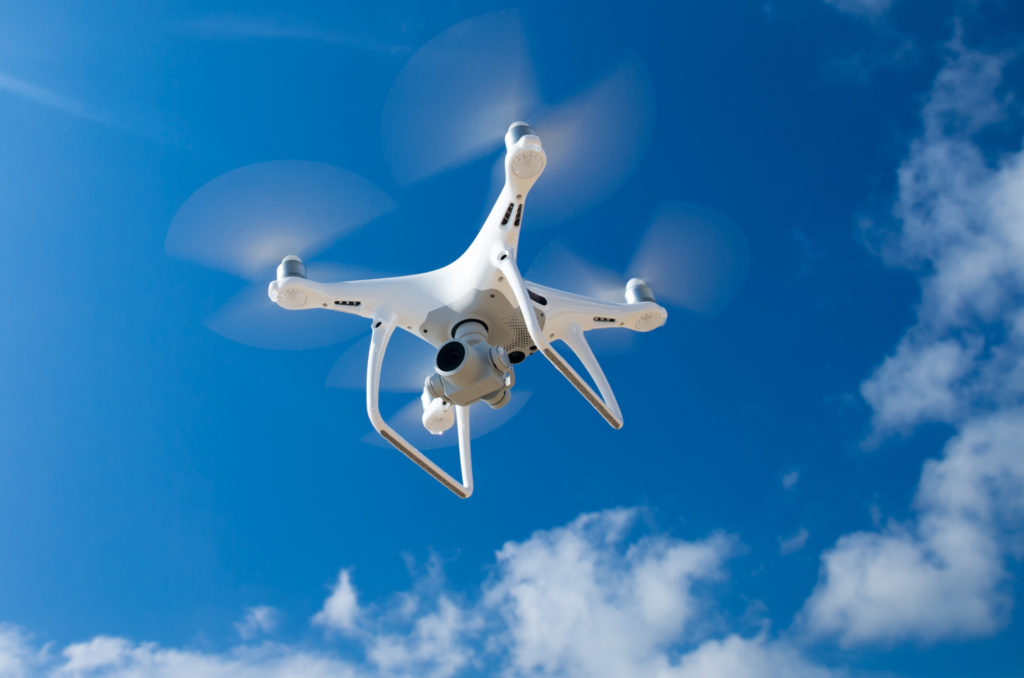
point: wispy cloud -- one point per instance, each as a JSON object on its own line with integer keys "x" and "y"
{"x": 794, "y": 543}
{"x": 243, "y": 27}
{"x": 872, "y": 8}
{"x": 258, "y": 620}
{"x": 44, "y": 97}
{"x": 942, "y": 574}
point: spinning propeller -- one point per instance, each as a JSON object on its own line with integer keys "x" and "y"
{"x": 694, "y": 257}
{"x": 243, "y": 221}
{"x": 447, "y": 108}
{"x": 477, "y": 77}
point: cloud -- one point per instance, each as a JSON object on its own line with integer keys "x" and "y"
{"x": 16, "y": 655}
{"x": 341, "y": 609}
{"x": 790, "y": 479}
{"x": 922, "y": 381}
{"x": 591, "y": 598}
{"x": 960, "y": 223}
{"x": 257, "y": 621}
{"x": 436, "y": 647}
{"x": 574, "y": 601}
{"x": 44, "y": 97}
{"x": 151, "y": 660}
{"x": 794, "y": 543}
{"x": 861, "y": 7}
{"x": 242, "y": 27}
{"x": 942, "y": 574}
{"x": 872, "y": 8}
{"x": 736, "y": 657}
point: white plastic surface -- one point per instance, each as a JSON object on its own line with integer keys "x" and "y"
{"x": 489, "y": 263}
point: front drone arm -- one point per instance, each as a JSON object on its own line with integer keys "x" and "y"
{"x": 382, "y": 327}
{"x": 605, "y": 403}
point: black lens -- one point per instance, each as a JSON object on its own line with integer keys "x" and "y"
{"x": 450, "y": 356}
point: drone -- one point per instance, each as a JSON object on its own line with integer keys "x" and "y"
{"x": 481, "y": 316}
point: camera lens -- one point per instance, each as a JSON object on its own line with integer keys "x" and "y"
{"x": 450, "y": 356}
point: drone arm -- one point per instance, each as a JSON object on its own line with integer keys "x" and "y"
{"x": 383, "y": 326}
{"x": 604, "y": 403}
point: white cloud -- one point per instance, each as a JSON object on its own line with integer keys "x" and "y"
{"x": 923, "y": 380}
{"x": 576, "y": 601}
{"x": 341, "y": 609}
{"x": 942, "y": 574}
{"x": 436, "y": 646}
{"x": 585, "y": 599}
{"x": 794, "y": 543}
{"x": 16, "y": 655}
{"x": 790, "y": 479}
{"x": 266, "y": 661}
{"x": 99, "y": 653}
{"x": 862, "y": 7}
{"x": 736, "y": 657}
{"x": 257, "y": 621}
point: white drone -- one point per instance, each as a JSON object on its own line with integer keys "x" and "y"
{"x": 480, "y": 315}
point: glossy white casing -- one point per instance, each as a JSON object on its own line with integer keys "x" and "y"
{"x": 483, "y": 284}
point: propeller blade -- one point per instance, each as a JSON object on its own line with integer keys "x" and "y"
{"x": 594, "y": 142}
{"x": 454, "y": 99}
{"x": 244, "y": 221}
{"x": 558, "y": 266}
{"x": 452, "y": 102}
{"x": 693, "y": 257}
{"x": 251, "y": 318}
{"x": 406, "y": 365}
{"x": 482, "y": 420}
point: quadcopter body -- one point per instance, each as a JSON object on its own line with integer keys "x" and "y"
{"x": 481, "y": 316}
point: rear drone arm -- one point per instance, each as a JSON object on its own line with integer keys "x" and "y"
{"x": 563, "y": 309}
{"x": 605, "y": 403}
{"x": 383, "y": 325}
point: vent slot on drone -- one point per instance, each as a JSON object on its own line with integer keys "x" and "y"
{"x": 519, "y": 214}
{"x": 345, "y": 302}
{"x": 537, "y": 298}
{"x": 508, "y": 214}
{"x": 603, "y": 319}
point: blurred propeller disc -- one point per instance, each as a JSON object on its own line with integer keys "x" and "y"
{"x": 594, "y": 142}
{"x": 243, "y": 222}
{"x": 482, "y": 420}
{"x": 250, "y": 318}
{"x": 407, "y": 363}
{"x": 692, "y": 256}
{"x": 558, "y": 266}
{"x": 454, "y": 99}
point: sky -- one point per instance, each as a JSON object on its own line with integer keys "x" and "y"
{"x": 821, "y": 468}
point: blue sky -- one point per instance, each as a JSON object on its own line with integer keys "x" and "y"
{"x": 821, "y": 477}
